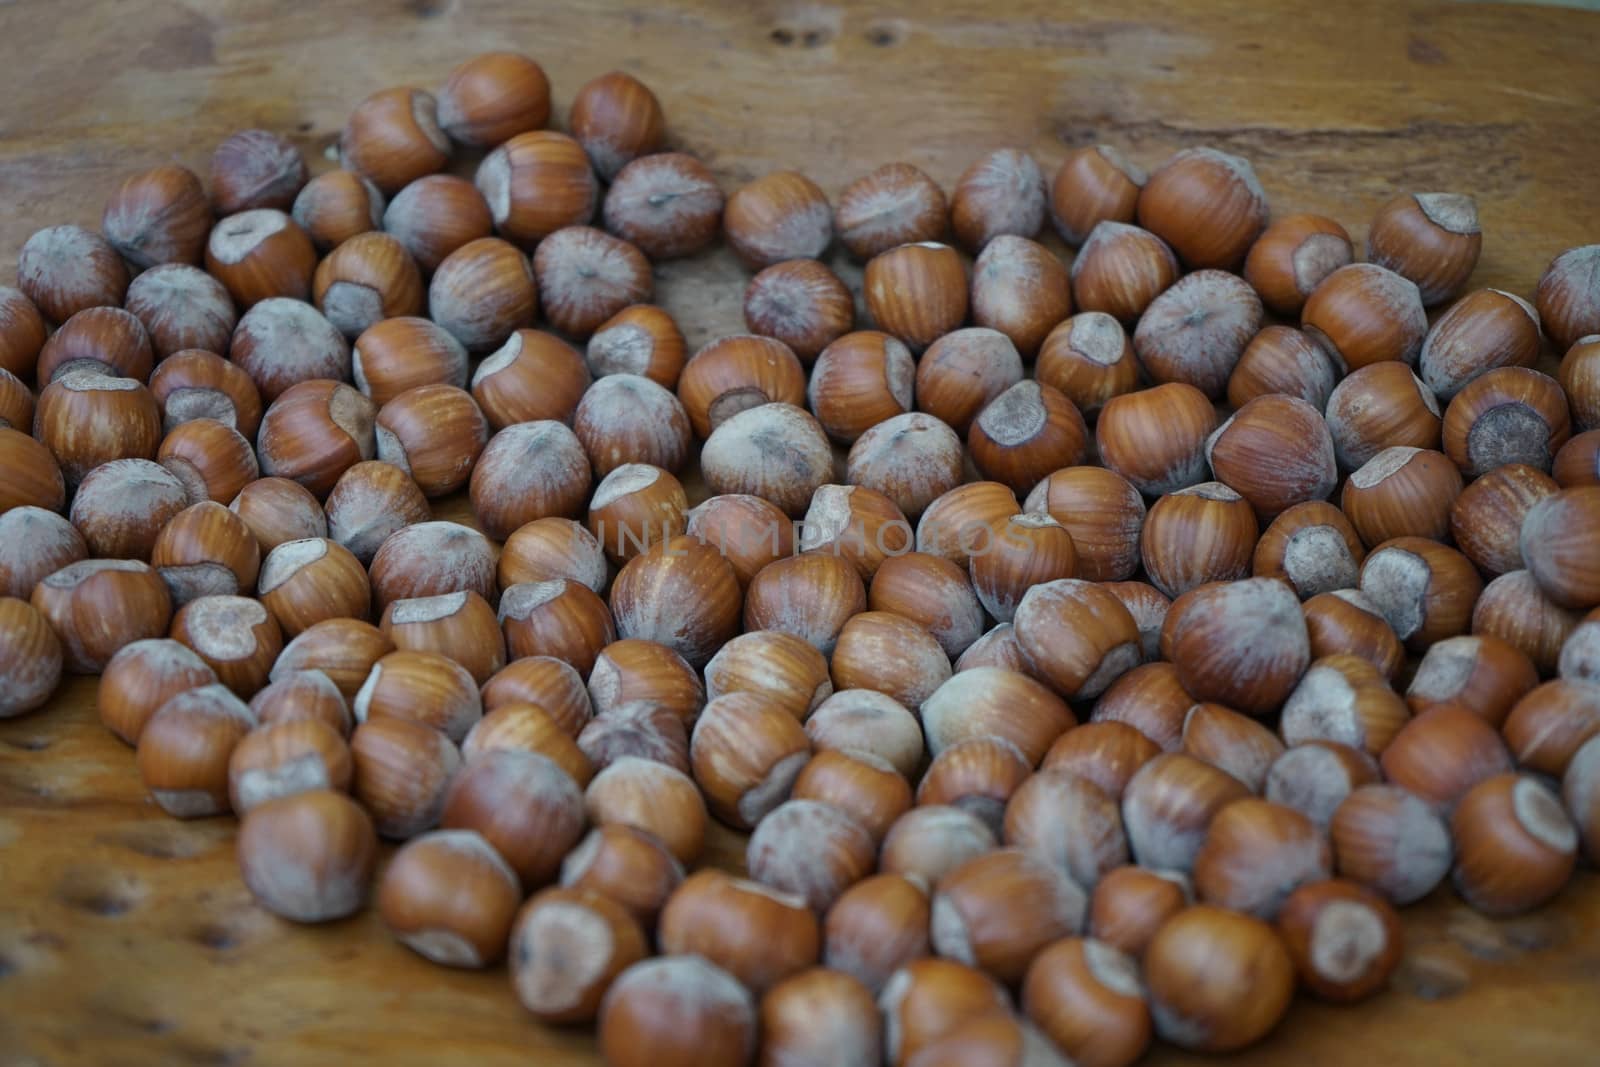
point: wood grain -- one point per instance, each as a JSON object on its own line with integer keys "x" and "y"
{"x": 125, "y": 937}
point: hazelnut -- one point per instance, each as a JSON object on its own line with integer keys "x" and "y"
{"x": 1480, "y": 674}
{"x": 1578, "y": 462}
{"x": 1197, "y": 329}
{"x": 1027, "y": 432}
{"x": 1515, "y": 845}
{"x": 334, "y": 207}
{"x": 757, "y": 935}
{"x": 1088, "y": 998}
{"x": 1207, "y": 205}
{"x": 862, "y": 720}
{"x": 533, "y": 376}
{"x": 1106, "y": 753}
{"x": 296, "y": 696}
{"x": 105, "y": 340}
{"x": 1243, "y": 644}
{"x": 1281, "y": 359}
{"x": 210, "y": 460}
{"x": 643, "y": 340}
{"x": 308, "y": 856}
{"x": 862, "y": 785}
{"x": 626, "y": 419}
{"x": 682, "y": 594}
{"x": 548, "y": 684}
{"x": 482, "y": 292}
{"x": 586, "y": 276}
{"x": 1508, "y": 415}
{"x": 810, "y": 849}
{"x": 775, "y": 451}
{"x": 34, "y": 543}
{"x": 282, "y": 342}
{"x": 777, "y": 666}
{"x": 894, "y": 205}
{"x": 965, "y": 521}
{"x": 1315, "y": 776}
{"x": 1561, "y": 559}
{"x": 997, "y": 911}
{"x": 1168, "y": 806}
{"x": 963, "y": 371}
{"x": 448, "y": 896}
{"x": 856, "y": 523}
{"x": 1432, "y": 239}
{"x": 913, "y": 459}
{"x": 402, "y": 771}
{"x": 285, "y": 758}
{"x": 640, "y": 729}
{"x": 97, "y": 606}
{"x": 850, "y": 1030}
{"x": 1378, "y": 407}
{"x": 667, "y": 205}
{"x": 1150, "y": 699}
{"x": 434, "y": 433}
{"x": 312, "y": 580}
{"x": 536, "y": 183}
{"x": 931, "y": 840}
{"x": 393, "y": 138}
{"x": 435, "y": 215}
{"x": 1276, "y": 452}
{"x": 551, "y": 548}
{"x": 157, "y": 216}
{"x": 193, "y": 384}
{"x": 492, "y": 97}
{"x": 562, "y": 619}
{"x": 1579, "y": 660}
{"x": 1217, "y": 980}
{"x": 1578, "y": 794}
{"x": 1121, "y": 270}
{"x": 801, "y": 303}
{"x": 1002, "y": 193}
{"x": 1387, "y": 839}
{"x": 734, "y": 374}
{"x": 1231, "y": 742}
{"x": 1021, "y": 289}
{"x": 16, "y": 402}
{"x": 979, "y": 776}
{"x": 633, "y": 671}
{"x": 255, "y": 169}
{"x": 567, "y": 947}
{"x": 1344, "y": 698}
{"x": 996, "y": 648}
{"x": 746, "y": 750}
{"x": 1292, "y": 256}
{"x": 1442, "y": 753}
{"x": 1365, "y": 313}
{"x": 64, "y": 269}
{"x": 1486, "y": 519}
{"x": 1130, "y": 904}
{"x": 1205, "y": 533}
{"x": 1255, "y": 854}
{"x": 121, "y": 507}
{"x": 1345, "y": 939}
{"x": 1156, "y": 438}
{"x": 86, "y": 419}
{"x": 1094, "y": 184}
{"x": 523, "y": 804}
{"x": 343, "y": 650}
{"x": 22, "y": 333}
{"x": 203, "y": 550}
{"x": 995, "y": 704}
{"x": 1579, "y": 374}
{"x": 368, "y": 278}
{"x": 677, "y": 1010}
{"x": 929, "y": 999}
{"x": 651, "y": 797}
{"x": 183, "y": 750}
{"x": 459, "y": 626}
{"x": 1513, "y": 608}
{"x": 1549, "y": 725}
{"x": 1481, "y": 332}
{"x": 278, "y": 510}
{"x": 917, "y": 292}
{"x": 779, "y": 216}
{"x": 635, "y": 507}
{"x": 1028, "y": 550}
{"x": 234, "y": 635}
{"x": 617, "y": 119}
{"x": 30, "y": 655}
{"x": 1076, "y": 636}
{"x": 1089, "y": 359}
{"x": 1313, "y": 547}
{"x": 1424, "y": 589}
{"x": 259, "y": 254}
{"x": 1345, "y": 621}
{"x": 314, "y": 432}
{"x": 528, "y": 471}
{"x": 1068, "y": 822}
{"x": 369, "y": 502}
{"x": 1102, "y": 512}
{"x": 627, "y": 866}
{"x": 1402, "y": 492}
{"x": 933, "y": 593}
{"x": 1567, "y": 298}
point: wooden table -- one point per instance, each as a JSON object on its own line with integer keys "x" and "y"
{"x": 126, "y": 937}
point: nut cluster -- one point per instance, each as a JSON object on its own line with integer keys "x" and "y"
{"x": 1036, "y": 767}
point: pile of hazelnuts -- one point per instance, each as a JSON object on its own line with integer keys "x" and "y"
{"x": 1047, "y": 742}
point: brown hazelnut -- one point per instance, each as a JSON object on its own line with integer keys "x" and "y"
{"x": 205, "y": 550}
{"x": 1441, "y": 754}
{"x": 930, "y": 840}
{"x": 1402, "y": 492}
{"x": 285, "y": 758}
{"x": 308, "y": 857}
{"x": 1217, "y": 980}
{"x": 566, "y": 949}
{"x": 22, "y": 333}
{"x": 626, "y": 865}
{"x": 548, "y": 684}
{"x": 617, "y": 119}
{"x": 643, "y": 340}
{"x": 1027, "y": 432}
{"x": 435, "y": 215}
{"x": 106, "y": 340}
{"x": 281, "y": 342}
{"x": 963, "y": 521}
{"x": 1102, "y": 511}
{"x": 97, "y": 606}
{"x": 862, "y": 720}
{"x": 651, "y": 797}
{"x": 420, "y": 686}
{"x": 492, "y": 97}
{"x": 1197, "y": 329}
{"x": 278, "y": 510}
{"x": 121, "y": 507}
{"x": 1292, "y": 256}
{"x": 370, "y": 501}
{"x": 87, "y": 418}
{"x": 1561, "y": 558}
{"x": 1432, "y": 239}
{"x": 759, "y": 936}
{"x": 1255, "y": 854}
{"x": 183, "y": 750}
{"x": 1001, "y": 193}
{"x": 994, "y": 703}
{"x": 342, "y": 649}
{"x": 236, "y": 637}
{"x": 1021, "y": 289}
{"x": 894, "y": 205}
{"x": 30, "y": 655}
{"x": 1131, "y": 903}
{"x": 856, "y": 523}
{"x": 528, "y": 471}
{"x": 434, "y": 433}
{"x": 460, "y": 626}
{"x": 640, "y": 729}
{"x": 1580, "y": 656}
{"x": 1089, "y": 359}
{"x": 999, "y": 910}
{"x": 369, "y": 278}
{"x": 801, "y": 303}
{"x": 681, "y": 1009}
{"x": 1230, "y": 742}
{"x": 429, "y": 558}
{"x": 64, "y": 269}
{"x": 1569, "y": 306}
{"x": 1207, "y": 205}
{"x": 978, "y": 776}
{"x": 1068, "y": 822}
{"x": 1512, "y": 607}
{"x": 1515, "y": 845}
{"x": 929, "y": 999}
{"x": 779, "y": 216}
{"x": 1205, "y": 533}
{"x": 585, "y": 276}
{"x": 1378, "y": 407}
{"x": 1120, "y": 270}
{"x": 1276, "y": 452}
{"x": 1346, "y": 621}
{"x": 1482, "y": 331}
{"x": 403, "y": 769}
{"x": 35, "y": 543}
{"x": 314, "y": 432}
{"x": 667, "y": 205}
{"x": 1314, "y": 778}
{"x": 810, "y": 849}
{"x": 1386, "y": 838}
{"x": 536, "y": 183}
{"x": 1508, "y": 415}
{"x": 877, "y": 926}
{"x": 913, "y": 459}
{"x": 16, "y": 403}
{"x": 734, "y": 374}
{"x": 627, "y": 419}
{"x": 1281, "y": 359}
{"x": 193, "y": 384}
{"x": 933, "y": 593}
{"x": 1313, "y": 547}
{"x": 1028, "y": 550}
{"x": 334, "y": 207}
{"x": 552, "y": 548}
{"x": 533, "y": 376}
{"x": 1424, "y": 589}
{"x": 212, "y": 461}
{"x": 1106, "y": 753}
{"x": 1365, "y": 313}
{"x": 1579, "y": 374}
{"x": 1094, "y": 184}
{"x": 393, "y": 138}
{"x": 778, "y": 666}
{"x": 684, "y": 595}
{"x": 917, "y": 292}
{"x": 523, "y": 804}
{"x": 1486, "y": 519}
{"x": 1242, "y": 644}
{"x": 1088, "y": 999}
{"x": 1578, "y": 794}
{"x": 561, "y": 618}
{"x": 1550, "y": 724}
{"x": 632, "y": 671}
{"x": 776, "y": 451}
{"x": 1344, "y": 698}
{"x": 450, "y": 897}
{"x": 1345, "y": 939}
{"x": 1480, "y": 673}
{"x": 482, "y": 292}
{"x": 963, "y": 371}
{"x": 746, "y": 750}
{"x": 1156, "y": 438}
{"x": 294, "y": 695}
{"x": 259, "y": 254}
{"x": 255, "y": 169}
{"x": 157, "y": 216}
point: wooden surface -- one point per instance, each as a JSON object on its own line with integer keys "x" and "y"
{"x": 126, "y": 938}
